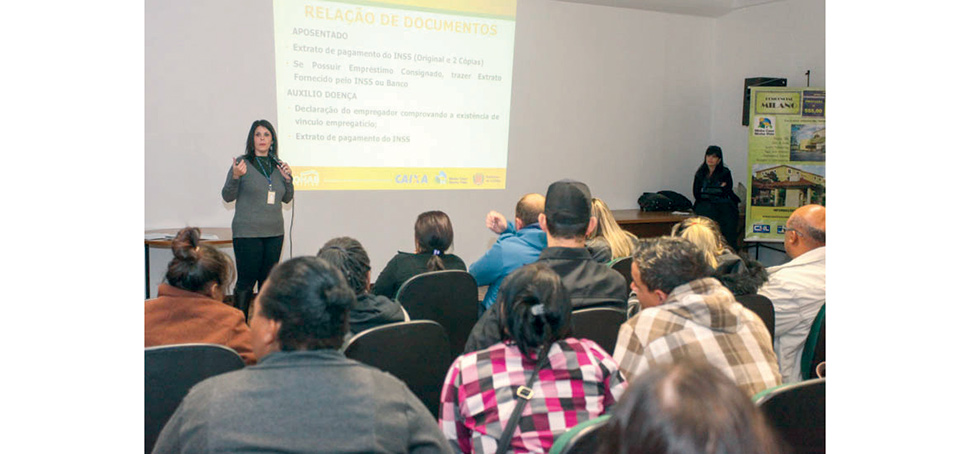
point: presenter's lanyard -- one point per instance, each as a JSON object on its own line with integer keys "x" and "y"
{"x": 265, "y": 173}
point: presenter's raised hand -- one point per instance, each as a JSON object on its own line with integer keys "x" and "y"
{"x": 238, "y": 168}
{"x": 285, "y": 170}
{"x": 495, "y": 222}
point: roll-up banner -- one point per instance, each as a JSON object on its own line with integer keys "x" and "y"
{"x": 786, "y": 157}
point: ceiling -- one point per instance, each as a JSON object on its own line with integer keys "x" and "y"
{"x": 705, "y": 8}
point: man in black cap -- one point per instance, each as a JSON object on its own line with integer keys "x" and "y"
{"x": 567, "y": 220}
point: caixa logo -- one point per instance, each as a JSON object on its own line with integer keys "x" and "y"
{"x": 762, "y": 228}
{"x": 413, "y": 179}
{"x": 307, "y": 178}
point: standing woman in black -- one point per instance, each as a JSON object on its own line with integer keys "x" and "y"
{"x": 260, "y": 184}
{"x": 714, "y": 195}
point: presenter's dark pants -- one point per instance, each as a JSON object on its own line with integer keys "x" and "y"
{"x": 725, "y": 214}
{"x": 254, "y": 259}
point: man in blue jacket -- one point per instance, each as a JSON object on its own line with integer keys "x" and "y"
{"x": 519, "y": 244}
{"x": 566, "y": 220}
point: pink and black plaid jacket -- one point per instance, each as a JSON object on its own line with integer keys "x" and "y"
{"x": 579, "y": 382}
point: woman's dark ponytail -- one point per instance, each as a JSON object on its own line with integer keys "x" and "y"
{"x": 536, "y": 308}
{"x": 433, "y": 234}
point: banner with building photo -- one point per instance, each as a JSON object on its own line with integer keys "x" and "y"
{"x": 786, "y": 157}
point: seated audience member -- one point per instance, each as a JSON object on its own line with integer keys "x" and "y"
{"x": 608, "y": 241}
{"x": 304, "y": 395}
{"x": 797, "y": 288}
{"x": 567, "y": 221}
{"x": 517, "y": 245}
{"x": 741, "y": 275}
{"x": 687, "y": 407}
{"x": 189, "y": 308}
{"x": 578, "y": 380}
{"x": 348, "y": 255}
{"x": 687, "y": 312}
{"x": 432, "y": 237}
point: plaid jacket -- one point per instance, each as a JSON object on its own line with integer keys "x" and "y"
{"x": 700, "y": 318}
{"x": 579, "y": 382}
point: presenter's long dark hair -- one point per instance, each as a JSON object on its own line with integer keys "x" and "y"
{"x": 433, "y": 233}
{"x": 274, "y": 148}
{"x": 702, "y": 171}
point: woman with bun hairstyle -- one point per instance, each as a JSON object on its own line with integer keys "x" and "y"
{"x": 608, "y": 235}
{"x": 739, "y": 273}
{"x": 189, "y": 307}
{"x": 433, "y": 236}
{"x": 714, "y": 195}
{"x": 575, "y": 380}
{"x": 259, "y": 184}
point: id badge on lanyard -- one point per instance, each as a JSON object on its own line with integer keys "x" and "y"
{"x": 271, "y": 195}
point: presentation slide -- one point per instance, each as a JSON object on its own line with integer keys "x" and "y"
{"x": 394, "y": 94}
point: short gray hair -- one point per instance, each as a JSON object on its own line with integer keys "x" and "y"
{"x": 798, "y": 223}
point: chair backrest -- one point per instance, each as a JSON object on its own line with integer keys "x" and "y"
{"x": 797, "y": 411}
{"x": 814, "y": 351}
{"x": 599, "y": 324}
{"x": 448, "y": 297}
{"x": 171, "y": 370}
{"x": 416, "y": 352}
{"x": 582, "y": 438}
{"x": 762, "y": 307}
{"x": 622, "y": 265}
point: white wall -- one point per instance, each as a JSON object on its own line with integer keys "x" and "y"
{"x": 781, "y": 39}
{"x": 614, "y": 97}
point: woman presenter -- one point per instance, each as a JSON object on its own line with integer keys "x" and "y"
{"x": 259, "y": 184}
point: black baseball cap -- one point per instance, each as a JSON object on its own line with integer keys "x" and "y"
{"x": 568, "y": 202}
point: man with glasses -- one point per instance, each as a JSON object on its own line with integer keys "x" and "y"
{"x": 797, "y": 288}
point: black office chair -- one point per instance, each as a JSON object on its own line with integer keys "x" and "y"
{"x": 581, "y": 439}
{"x": 762, "y": 307}
{"x": 622, "y": 265}
{"x": 797, "y": 411}
{"x": 599, "y": 324}
{"x": 814, "y": 352}
{"x": 416, "y": 352}
{"x": 171, "y": 370}
{"x": 448, "y": 297}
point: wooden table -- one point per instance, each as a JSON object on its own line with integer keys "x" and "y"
{"x": 223, "y": 234}
{"x": 647, "y": 224}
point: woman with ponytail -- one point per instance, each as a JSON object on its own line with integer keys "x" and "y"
{"x": 349, "y": 256}
{"x": 433, "y": 236}
{"x": 573, "y": 380}
{"x": 190, "y": 307}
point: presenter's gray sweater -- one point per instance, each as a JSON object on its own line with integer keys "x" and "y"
{"x": 302, "y": 402}
{"x": 254, "y": 217}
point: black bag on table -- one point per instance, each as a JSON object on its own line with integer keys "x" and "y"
{"x": 680, "y": 202}
{"x": 652, "y": 201}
